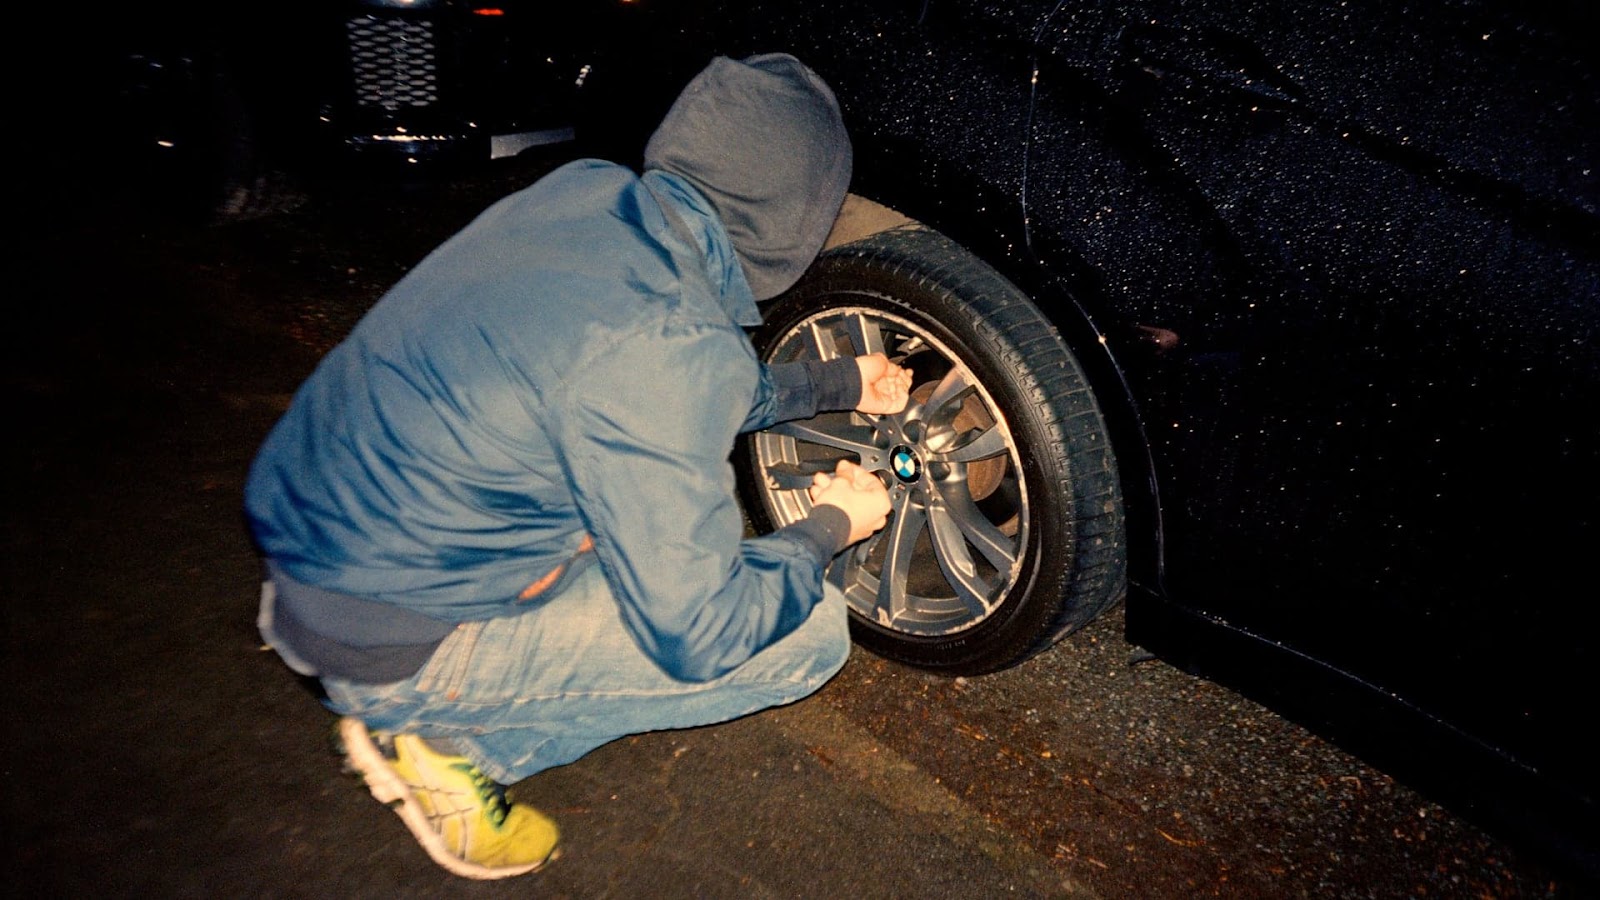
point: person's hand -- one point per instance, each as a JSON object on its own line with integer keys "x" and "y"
{"x": 856, "y": 491}
{"x": 885, "y": 386}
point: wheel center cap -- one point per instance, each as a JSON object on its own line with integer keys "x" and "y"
{"x": 906, "y": 466}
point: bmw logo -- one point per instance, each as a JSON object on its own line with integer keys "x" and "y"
{"x": 905, "y": 464}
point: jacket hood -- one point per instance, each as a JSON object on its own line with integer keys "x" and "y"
{"x": 763, "y": 139}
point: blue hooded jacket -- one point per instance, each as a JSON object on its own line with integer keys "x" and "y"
{"x": 572, "y": 367}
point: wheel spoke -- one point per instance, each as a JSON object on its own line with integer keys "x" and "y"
{"x": 950, "y": 547}
{"x": 990, "y": 442}
{"x": 856, "y": 439}
{"x": 790, "y": 476}
{"x": 901, "y": 537}
{"x": 990, "y": 541}
{"x": 820, "y": 343}
{"x": 864, "y": 334}
{"x": 945, "y": 402}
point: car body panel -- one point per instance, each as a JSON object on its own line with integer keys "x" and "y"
{"x": 1378, "y": 345}
{"x": 1342, "y": 264}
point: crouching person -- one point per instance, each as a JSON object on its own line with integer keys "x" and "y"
{"x": 499, "y": 521}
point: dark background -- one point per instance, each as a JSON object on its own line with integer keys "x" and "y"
{"x": 154, "y": 749}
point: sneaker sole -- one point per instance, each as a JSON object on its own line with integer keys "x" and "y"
{"x": 391, "y": 790}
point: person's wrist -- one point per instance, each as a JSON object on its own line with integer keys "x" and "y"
{"x": 834, "y": 522}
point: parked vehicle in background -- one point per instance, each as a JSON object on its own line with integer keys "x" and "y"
{"x": 1278, "y": 317}
{"x": 223, "y": 110}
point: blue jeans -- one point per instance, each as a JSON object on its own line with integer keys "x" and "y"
{"x": 522, "y": 694}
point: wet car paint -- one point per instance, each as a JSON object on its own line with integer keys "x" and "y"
{"x": 1370, "y": 238}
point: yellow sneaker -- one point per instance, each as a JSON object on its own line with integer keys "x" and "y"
{"x": 459, "y": 815}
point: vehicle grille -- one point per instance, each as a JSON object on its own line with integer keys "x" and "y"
{"x": 394, "y": 62}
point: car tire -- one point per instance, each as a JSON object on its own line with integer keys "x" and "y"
{"x": 1007, "y": 532}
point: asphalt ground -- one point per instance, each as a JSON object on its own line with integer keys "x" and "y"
{"x": 153, "y": 748}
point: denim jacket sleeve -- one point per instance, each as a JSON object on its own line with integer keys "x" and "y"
{"x": 645, "y": 444}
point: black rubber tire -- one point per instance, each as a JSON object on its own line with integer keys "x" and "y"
{"x": 1074, "y": 558}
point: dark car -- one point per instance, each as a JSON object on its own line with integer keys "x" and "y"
{"x": 227, "y": 112}
{"x": 1277, "y": 319}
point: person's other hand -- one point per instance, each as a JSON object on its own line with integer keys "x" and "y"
{"x": 885, "y": 386}
{"x": 856, "y": 491}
